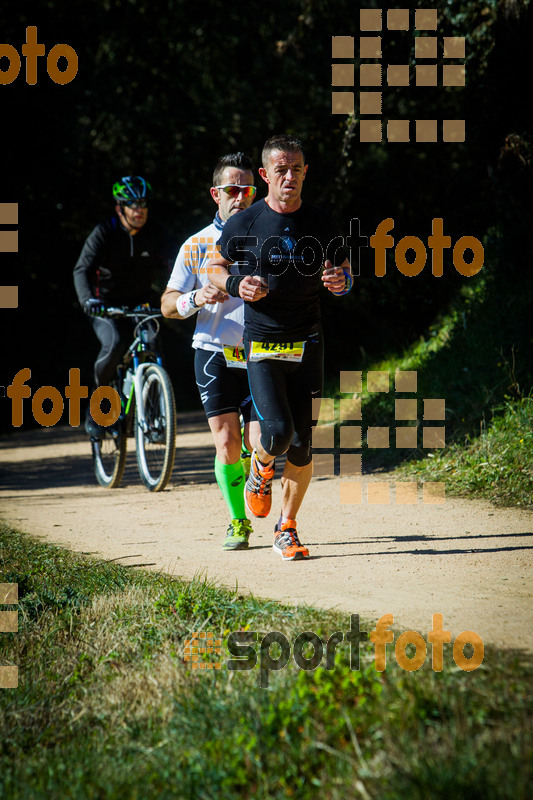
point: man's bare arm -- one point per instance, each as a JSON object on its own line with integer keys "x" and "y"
{"x": 218, "y": 272}
{"x": 207, "y": 295}
{"x": 251, "y": 287}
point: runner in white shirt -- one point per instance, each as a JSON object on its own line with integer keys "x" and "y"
{"x": 219, "y": 363}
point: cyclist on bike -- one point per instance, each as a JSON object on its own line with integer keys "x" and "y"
{"x": 125, "y": 261}
{"x": 219, "y": 363}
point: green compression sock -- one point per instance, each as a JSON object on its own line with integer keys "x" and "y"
{"x": 230, "y": 478}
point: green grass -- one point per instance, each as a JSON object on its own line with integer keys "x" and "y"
{"x": 107, "y": 707}
{"x": 498, "y": 464}
{"x": 478, "y": 356}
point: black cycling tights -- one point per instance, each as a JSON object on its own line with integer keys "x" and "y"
{"x": 115, "y": 337}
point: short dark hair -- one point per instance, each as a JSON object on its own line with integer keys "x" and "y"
{"x": 283, "y": 142}
{"x": 237, "y": 160}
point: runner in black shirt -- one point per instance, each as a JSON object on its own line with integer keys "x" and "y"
{"x": 287, "y": 250}
{"x": 282, "y": 246}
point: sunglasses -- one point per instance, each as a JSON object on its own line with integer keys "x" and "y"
{"x": 235, "y": 189}
{"x": 136, "y": 203}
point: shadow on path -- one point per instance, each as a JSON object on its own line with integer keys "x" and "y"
{"x": 191, "y": 465}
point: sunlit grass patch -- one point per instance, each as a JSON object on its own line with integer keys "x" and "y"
{"x": 497, "y": 465}
{"x": 108, "y": 706}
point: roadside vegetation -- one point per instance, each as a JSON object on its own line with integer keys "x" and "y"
{"x": 107, "y": 705}
{"x": 477, "y": 355}
{"x": 497, "y": 464}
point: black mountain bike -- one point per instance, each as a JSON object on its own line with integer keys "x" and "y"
{"x": 147, "y": 407}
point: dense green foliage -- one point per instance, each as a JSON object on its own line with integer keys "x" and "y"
{"x": 108, "y": 707}
{"x": 164, "y": 88}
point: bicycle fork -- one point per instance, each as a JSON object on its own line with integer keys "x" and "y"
{"x": 139, "y": 399}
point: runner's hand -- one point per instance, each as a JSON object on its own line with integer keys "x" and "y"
{"x": 333, "y": 278}
{"x": 94, "y": 307}
{"x": 252, "y": 288}
{"x": 209, "y": 295}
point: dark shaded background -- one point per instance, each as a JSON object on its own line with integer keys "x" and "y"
{"x": 163, "y": 89}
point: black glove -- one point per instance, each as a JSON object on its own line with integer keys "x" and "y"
{"x": 94, "y": 307}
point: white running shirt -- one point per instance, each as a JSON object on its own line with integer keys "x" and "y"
{"x": 218, "y": 324}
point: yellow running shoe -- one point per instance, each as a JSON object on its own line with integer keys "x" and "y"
{"x": 246, "y": 459}
{"x": 239, "y": 531}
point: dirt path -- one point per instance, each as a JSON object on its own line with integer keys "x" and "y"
{"x": 465, "y": 559}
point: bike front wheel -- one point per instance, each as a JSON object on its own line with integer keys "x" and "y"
{"x": 109, "y": 456}
{"x": 155, "y": 432}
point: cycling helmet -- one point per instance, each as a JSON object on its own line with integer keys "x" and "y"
{"x": 132, "y": 187}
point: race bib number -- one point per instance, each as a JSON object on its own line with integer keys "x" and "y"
{"x": 235, "y": 356}
{"x": 280, "y": 351}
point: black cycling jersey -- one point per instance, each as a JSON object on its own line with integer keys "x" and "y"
{"x": 123, "y": 270}
{"x": 288, "y": 250}
{"x": 119, "y": 268}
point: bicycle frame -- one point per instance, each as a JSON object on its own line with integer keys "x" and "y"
{"x": 137, "y": 386}
{"x": 139, "y": 346}
{"x": 149, "y": 406}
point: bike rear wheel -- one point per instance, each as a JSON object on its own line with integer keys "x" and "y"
{"x": 109, "y": 456}
{"x": 155, "y": 440}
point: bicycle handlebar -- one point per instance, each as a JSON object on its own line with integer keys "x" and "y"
{"x": 125, "y": 311}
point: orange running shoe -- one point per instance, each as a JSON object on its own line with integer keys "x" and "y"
{"x": 258, "y": 490}
{"x": 287, "y": 543}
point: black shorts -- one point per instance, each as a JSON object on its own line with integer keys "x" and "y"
{"x": 222, "y": 389}
{"x": 282, "y": 394}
